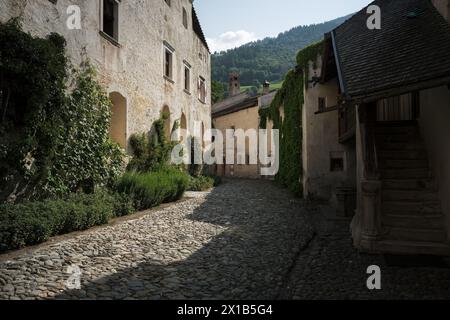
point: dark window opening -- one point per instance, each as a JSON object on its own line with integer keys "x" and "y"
{"x": 185, "y": 18}
{"x": 111, "y": 18}
{"x": 202, "y": 90}
{"x": 187, "y": 79}
{"x": 168, "y": 63}
{"x": 322, "y": 104}
{"x": 337, "y": 164}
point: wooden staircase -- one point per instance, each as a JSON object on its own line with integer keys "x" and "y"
{"x": 412, "y": 221}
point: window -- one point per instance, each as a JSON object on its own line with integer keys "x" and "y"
{"x": 322, "y": 104}
{"x": 168, "y": 62}
{"x": 202, "y": 89}
{"x": 187, "y": 77}
{"x": 185, "y": 18}
{"x": 168, "y": 2}
{"x": 110, "y": 21}
{"x": 336, "y": 161}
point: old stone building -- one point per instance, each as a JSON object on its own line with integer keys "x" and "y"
{"x": 151, "y": 55}
{"x": 328, "y": 165}
{"x": 375, "y": 119}
{"x": 241, "y": 111}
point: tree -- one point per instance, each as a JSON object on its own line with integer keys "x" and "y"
{"x": 218, "y": 90}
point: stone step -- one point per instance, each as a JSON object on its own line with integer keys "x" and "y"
{"x": 435, "y": 222}
{"x": 412, "y": 247}
{"x": 409, "y": 195}
{"x": 400, "y": 164}
{"x": 394, "y": 138}
{"x": 425, "y": 208}
{"x": 400, "y": 146}
{"x": 394, "y": 128}
{"x": 424, "y": 235}
{"x": 402, "y": 154}
{"x": 410, "y": 184}
{"x": 421, "y": 173}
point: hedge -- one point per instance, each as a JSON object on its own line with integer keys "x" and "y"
{"x": 151, "y": 189}
{"x": 35, "y": 222}
{"x": 32, "y": 223}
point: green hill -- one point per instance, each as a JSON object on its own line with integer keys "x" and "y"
{"x": 270, "y": 58}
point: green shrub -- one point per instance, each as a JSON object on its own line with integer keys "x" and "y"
{"x": 123, "y": 204}
{"x": 151, "y": 189}
{"x": 151, "y": 150}
{"x": 31, "y": 223}
{"x": 201, "y": 183}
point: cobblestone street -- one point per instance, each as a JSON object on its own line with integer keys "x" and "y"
{"x": 238, "y": 241}
{"x": 243, "y": 240}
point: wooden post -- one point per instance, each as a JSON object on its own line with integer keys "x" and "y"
{"x": 371, "y": 213}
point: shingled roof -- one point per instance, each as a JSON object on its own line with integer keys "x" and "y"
{"x": 198, "y": 28}
{"x": 412, "y": 47}
{"x": 233, "y": 104}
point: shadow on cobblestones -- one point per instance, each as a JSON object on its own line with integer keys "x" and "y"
{"x": 332, "y": 269}
{"x": 259, "y": 230}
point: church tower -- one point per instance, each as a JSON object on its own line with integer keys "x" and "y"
{"x": 234, "y": 85}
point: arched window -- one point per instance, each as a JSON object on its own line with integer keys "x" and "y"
{"x": 118, "y": 128}
{"x": 183, "y": 126}
{"x": 167, "y": 121}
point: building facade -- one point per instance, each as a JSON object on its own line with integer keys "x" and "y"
{"x": 377, "y": 110}
{"x": 329, "y": 166}
{"x": 151, "y": 56}
{"x": 240, "y": 111}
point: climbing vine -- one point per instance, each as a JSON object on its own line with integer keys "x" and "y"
{"x": 290, "y": 99}
{"x": 152, "y": 150}
{"x": 54, "y": 140}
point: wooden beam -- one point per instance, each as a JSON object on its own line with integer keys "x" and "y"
{"x": 392, "y": 92}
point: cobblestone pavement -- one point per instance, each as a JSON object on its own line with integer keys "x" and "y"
{"x": 236, "y": 242}
{"x": 330, "y": 268}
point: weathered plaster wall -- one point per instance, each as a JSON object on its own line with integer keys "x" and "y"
{"x": 135, "y": 69}
{"x": 434, "y": 121}
{"x": 320, "y": 139}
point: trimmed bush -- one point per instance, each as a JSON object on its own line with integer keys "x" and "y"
{"x": 123, "y": 204}
{"x": 35, "y": 222}
{"x": 201, "y": 183}
{"x": 149, "y": 190}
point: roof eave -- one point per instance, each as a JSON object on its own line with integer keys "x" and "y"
{"x": 342, "y": 82}
{"x": 399, "y": 90}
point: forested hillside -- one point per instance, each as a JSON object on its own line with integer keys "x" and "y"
{"x": 270, "y": 58}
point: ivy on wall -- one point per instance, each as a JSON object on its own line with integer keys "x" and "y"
{"x": 152, "y": 150}
{"x": 53, "y": 140}
{"x": 290, "y": 99}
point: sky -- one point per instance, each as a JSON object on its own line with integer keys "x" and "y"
{"x": 231, "y": 23}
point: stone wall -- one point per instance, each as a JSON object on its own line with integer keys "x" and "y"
{"x": 133, "y": 68}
